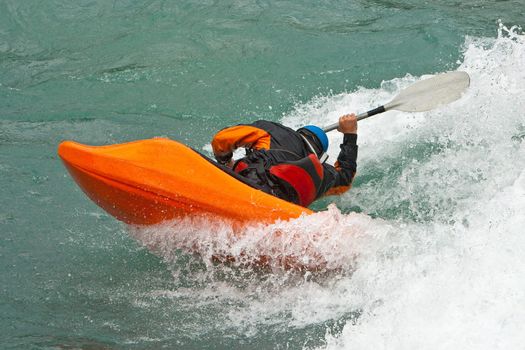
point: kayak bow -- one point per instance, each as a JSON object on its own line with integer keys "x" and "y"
{"x": 149, "y": 181}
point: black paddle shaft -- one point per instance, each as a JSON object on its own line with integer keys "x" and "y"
{"x": 361, "y": 116}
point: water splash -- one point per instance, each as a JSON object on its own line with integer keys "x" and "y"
{"x": 462, "y": 291}
{"x": 324, "y": 241}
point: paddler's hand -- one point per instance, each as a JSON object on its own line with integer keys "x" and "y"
{"x": 348, "y": 124}
{"x": 230, "y": 163}
{"x": 227, "y": 163}
{"x": 225, "y": 159}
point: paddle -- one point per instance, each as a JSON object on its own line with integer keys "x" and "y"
{"x": 422, "y": 96}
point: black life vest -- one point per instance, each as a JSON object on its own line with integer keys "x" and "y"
{"x": 296, "y": 181}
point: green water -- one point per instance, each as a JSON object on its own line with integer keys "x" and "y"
{"x": 103, "y": 72}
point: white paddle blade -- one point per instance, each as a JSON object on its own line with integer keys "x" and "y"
{"x": 431, "y": 93}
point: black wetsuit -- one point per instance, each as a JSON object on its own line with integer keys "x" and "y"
{"x": 268, "y": 143}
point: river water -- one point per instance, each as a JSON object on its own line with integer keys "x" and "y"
{"x": 426, "y": 251}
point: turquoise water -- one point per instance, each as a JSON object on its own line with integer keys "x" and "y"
{"x": 427, "y": 247}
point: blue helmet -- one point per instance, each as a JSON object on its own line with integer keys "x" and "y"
{"x": 320, "y": 134}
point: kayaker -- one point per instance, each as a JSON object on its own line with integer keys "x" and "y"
{"x": 290, "y": 164}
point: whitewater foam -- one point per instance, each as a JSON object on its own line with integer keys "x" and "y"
{"x": 468, "y": 289}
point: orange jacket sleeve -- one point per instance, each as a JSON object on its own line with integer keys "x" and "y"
{"x": 229, "y": 139}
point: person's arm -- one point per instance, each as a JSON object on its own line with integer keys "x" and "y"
{"x": 228, "y": 140}
{"x": 338, "y": 178}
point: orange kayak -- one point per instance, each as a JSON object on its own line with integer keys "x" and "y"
{"x": 148, "y": 181}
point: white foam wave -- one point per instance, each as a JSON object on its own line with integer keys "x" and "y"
{"x": 324, "y": 241}
{"x": 463, "y": 291}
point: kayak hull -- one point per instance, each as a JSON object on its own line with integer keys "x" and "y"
{"x": 149, "y": 181}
